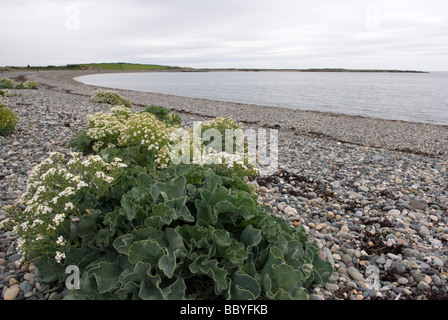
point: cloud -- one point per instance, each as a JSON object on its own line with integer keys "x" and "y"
{"x": 245, "y": 33}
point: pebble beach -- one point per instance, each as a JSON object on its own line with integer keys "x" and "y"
{"x": 372, "y": 193}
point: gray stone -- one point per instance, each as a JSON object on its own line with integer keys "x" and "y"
{"x": 438, "y": 262}
{"x": 370, "y": 293}
{"x": 331, "y": 287}
{"x": 316, "y": 297}
{"x": 26, "y": 287}
{"x": 424, "y": 231}
{"x": 346, "y": 258}
{"x": 355, "y": 274}
{"x": 14, "y": 257}
{"x": 417, "y": 204}
{"x": 381, "y": 261}
{"x": 364, "y": 188}
{"x": 422, "y": 286}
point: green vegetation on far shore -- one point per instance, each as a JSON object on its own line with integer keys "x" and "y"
{"x": 153, "y": 67}
{"x": 92, "y": 66}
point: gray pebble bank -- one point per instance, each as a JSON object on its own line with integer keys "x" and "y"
{"x": 379, "y": 215}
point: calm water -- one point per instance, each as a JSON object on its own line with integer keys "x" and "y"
{"x": 417, "y": 97}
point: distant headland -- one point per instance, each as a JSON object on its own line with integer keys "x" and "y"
{"x": 122, "y": 66}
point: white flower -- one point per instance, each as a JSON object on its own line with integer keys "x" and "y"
{"x": 81, "y": 184}
{"x": 68, "y": 176}
{"x": 60, "y": 241}
{"x": 43, "y": 209}
{"x": 69, "y": 206}
{"x": 58, "y": 218}
{"x": 3, "y": 222}
{"x": 24, "y": 225}
{"x": 59, "y": 256}
{"x": 36, "y": 221}
{"x": 102, "y": 175}
{"x": 67, "y": 192}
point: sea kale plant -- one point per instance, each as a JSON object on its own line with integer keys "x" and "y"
{"x": 28, "y": 85}
{"x": 144, "y": 231}
{"x": 6, "y": 93}
{"x": 6, "y": 83}
{"x": 110, "y": 97}
{"x": 8, "y": 120}
{"x": 138, "y": 137}
{"x": 60, "y": 189}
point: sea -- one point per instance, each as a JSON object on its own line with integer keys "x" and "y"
{"x": 415, "y": 97}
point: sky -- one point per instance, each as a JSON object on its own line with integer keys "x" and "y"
{"x": 353, "y": 34}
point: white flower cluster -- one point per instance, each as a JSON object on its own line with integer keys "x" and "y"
{"x": 120, "y": 128}
{"x": 106, "y": 128}
{"x": 52, "y": 187}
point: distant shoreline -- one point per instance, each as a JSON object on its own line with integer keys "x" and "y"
{"x": 312, "y": 70}
{"x": 161, "y": 68}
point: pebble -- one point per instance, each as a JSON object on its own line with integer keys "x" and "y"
{"x": 438, "y": 262}
{"x": 422, "y": 286}
{"x": 355, "y": 274}
{"x": 12, "y": 292}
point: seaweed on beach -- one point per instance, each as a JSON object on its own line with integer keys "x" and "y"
{"x": 300, "y": 185}
{"x": 374, "y": 245}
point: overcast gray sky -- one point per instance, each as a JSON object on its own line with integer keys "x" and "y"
{"x": 389, "y": 34}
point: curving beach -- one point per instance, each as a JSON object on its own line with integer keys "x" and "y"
{"x": 372, "y": 193}
{"x": 391, "y": 134}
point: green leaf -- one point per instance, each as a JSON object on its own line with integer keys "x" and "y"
{"x": 211, "y": 269}
{"x": 169, "y": 190}
{"x": 153, "y": 290}
{"x": 174, "y": 250}
{"x": 212, "y": 180}
{"x": 89, "y": 223}
{"x": 106, "y": 275}
{"x": 251, "y": 237}
{"x": 131, "y": 278}
{"x": 50, "y": 270}
{"x": 244, "y": 287}
{"x": 123, "y": 243}
{"x": 206, "y": 215}
{"x": 286, "y": 277}
{"x": 322, "y": 270}
{"x": 235, "y": 252}
{"x": 147, "y": 251}
{"x": 161, "y": 215}
{"x": 180, "y": 209}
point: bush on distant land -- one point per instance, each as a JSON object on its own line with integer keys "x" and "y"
{"x": 164, "y": 115}
{"x": 8, "y": 120}
{"x": 110, "y": 97}
{"x": 7, "y": 84}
